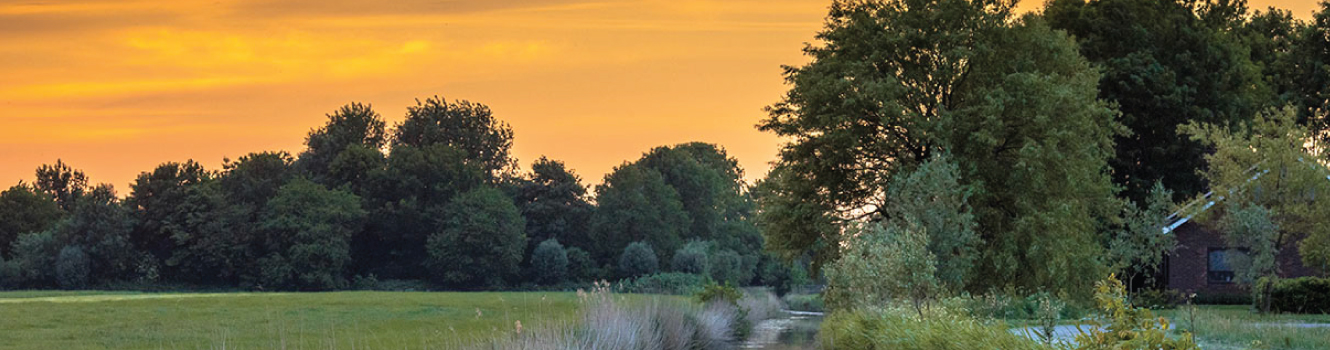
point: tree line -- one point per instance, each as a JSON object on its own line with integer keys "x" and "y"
{"x": 437, "y": 198}
{"x": 1046, "y": 148}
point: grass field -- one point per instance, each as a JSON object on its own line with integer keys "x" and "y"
{"x": 338, "y": 320}
{"x": 1235, "y": 327}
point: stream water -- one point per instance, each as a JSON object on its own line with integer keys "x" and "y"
{"x": 797, "y": 330}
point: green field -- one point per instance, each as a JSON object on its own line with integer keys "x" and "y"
{"x": 1236, "y": 326}
{"x": 338, "y": 320}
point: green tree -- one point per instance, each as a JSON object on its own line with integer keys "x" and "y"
{"x": 353, "y": 126}
{"x": 72, "y": 268}
{"x": 100, "y": 226}
{"x": 479, "y": 242}
{"x": 24, "y": 209}
{"x": 933, "y": 195}
{"x": 635, "y": 205}
{"x": 417, "y": 184}
{"x": 157, "y": 201}
{"x": 61, "y": 182}
{"x": 308, "y": 228}
{"x": 709, "y": 184}
{"x": 692, "y": 258}
{"x": 469, "y": 127}
{"x": 213, "y": 240}
{"x": 898, "y": 81}
{"x": 34, "y": 256}
{"x": 1271, "y": 165}
{"x": 1164, "y": 65}
{"x": 881, "y": 263}
{"x": 580, "y": 265}
{"x": 1138, "y": 249}
{"x": 553, "y": 202}
{"x": 549, "y": 262}
{"x": 727, "y": 266}
{"x": 638, "y": 259}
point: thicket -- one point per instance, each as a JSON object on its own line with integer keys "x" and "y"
{"x": 1306, "y": 295}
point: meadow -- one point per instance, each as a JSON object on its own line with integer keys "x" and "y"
{"x": 333, "y": 320}
{"x": 1226, "y": 327}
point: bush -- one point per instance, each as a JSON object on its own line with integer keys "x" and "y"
{"x": 1305, "y": 295}
{"x": 638, "y": 260}
{"x": 72, "y": 268}
{"x": 712, "y": 293}
{"x": 1121, "y": 326}
{"x": 550, "y": 262}
{"x": 665, "y": 283}
{"x": 1157, "y": 299}
{"x": 900, "y": 328}
{"x": 580, "y": 265}
{"x": 726, "y": 267}
{"x": 481, "y": 241}
{"x": 692, "y": 258}
{"x": 804, "y": 302}
{"x": 34, "y": 256}
{"x": 1003, "y": 306}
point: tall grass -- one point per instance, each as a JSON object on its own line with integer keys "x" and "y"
{"x": 1238, "y": 327}
{"x": 609, "y": 322}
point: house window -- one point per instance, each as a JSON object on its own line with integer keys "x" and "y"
{"x": 1223, "y": 262}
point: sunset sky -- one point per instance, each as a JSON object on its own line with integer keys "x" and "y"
{"x": 116, "y": 87}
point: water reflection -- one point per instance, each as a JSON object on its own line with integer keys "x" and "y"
{"x": 798, "y": 330}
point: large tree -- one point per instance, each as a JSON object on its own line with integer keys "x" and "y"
{"x": 461, "y": 124}
{"x": 346, "y": 149}
{"x": 554, "y": 203}
{"x": 100, "y": 227}
{"x": 63, "y": 183}
{"x": 157, "y": 199}
{"x": 898, "y": 81}
{"x": 479, "y": 241}
{"x": 307, "y": 236}
{"x": 23, "y": 209}
{"x": 1165, "y": 63}
{"x": 635, "y": 204}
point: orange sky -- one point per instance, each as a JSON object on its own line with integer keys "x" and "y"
{"x": 115, "y": 87}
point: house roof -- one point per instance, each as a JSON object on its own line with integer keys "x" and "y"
{"x": 1209, "y": 199}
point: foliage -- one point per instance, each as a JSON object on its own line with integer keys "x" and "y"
{"x": 692, "y": 258}
{"x": 898, "y": 81}
{"x": 72, "y": 268}
{"x": 1270, "y": 181}
{"x": 62, "y": 183}
{"x": 462, "y": 125}
{"x": 100, "y": 226}
{"x": 158, "y": 201}
{"x": 480, "y": 241}
{"x": 1304, "y": 295}
{"x": 1165, "y": 64}
{"x": 726, "y": 266}
{"x": 549, "y": 262}
{"x": 34, "y": 255}
{"x": 673, "y": 283}
{"x": 1156, "y": 299}
{"x": 334, "y": 148}
{"x": 804, "y": 302}
{"x": 637, "y": 260}
{"x": 933, "y": 195}
{"x": 553, "y": 202}
{"x": 724, "y": 293}
{"x": 635, "y": 204}
{"x": 899, "y": 328}
{"x": 880, "y": 263}
{"x": 580, "y": 265}
{"x": 24, "y": 209}
{"x": 1138, "y": 249}
{"x": 1121, "y": 326}
{"x": 307, "y": 236}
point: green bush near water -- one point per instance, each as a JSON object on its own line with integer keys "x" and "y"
{"x": 903, "y": 329}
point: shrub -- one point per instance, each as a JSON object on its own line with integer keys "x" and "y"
{"x": 899, "y": 328}
{"x": 34, "y": 256}
{"x": 72, "y": 268}
{"x": 580, "y": 265}
{"x": 726, "y": 267}
{"x": 804, "y": 302}
{"x": 883, "y": 262}
{"x": 1298, "y": 295}
{"x": 481, "y": 241}
{"x": 1121, "y": 326}
{"x": 638, "y": 259}
{"x": 712, "y": 293}
{"x": 692, "y": 258}
{"x": 550, "y": 262}
{"x": 674, "y": 283}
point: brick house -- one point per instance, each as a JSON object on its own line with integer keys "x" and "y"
{"x": 1202, "y": 262}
